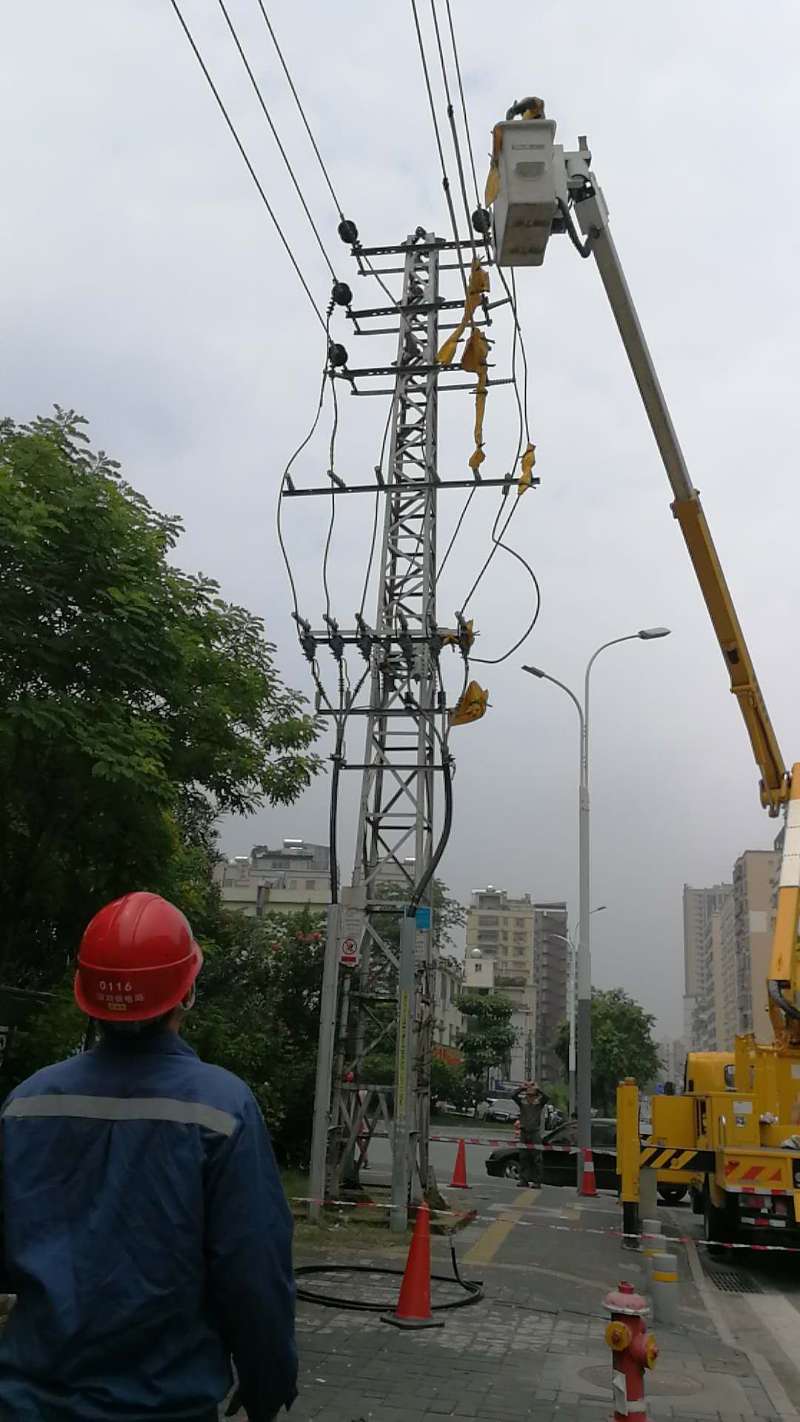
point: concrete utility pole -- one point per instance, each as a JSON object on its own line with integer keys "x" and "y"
{"x": 372, "y": 985}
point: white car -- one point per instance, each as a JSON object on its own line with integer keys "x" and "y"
{"x": 498, "y": 1108}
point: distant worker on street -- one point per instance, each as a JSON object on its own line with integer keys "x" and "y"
{"x": 147, "y": 1235}
{"x": 531, "y": 1101}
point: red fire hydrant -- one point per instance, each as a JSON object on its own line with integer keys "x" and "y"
{"x": 634, "y": 1350}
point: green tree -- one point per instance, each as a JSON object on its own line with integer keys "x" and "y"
{"x": 257, "y": 1014}
{"x": 448, "y": 1083}
{"x": 488, "y": 1038}
{"x": 622, "y": 1045}
{"x": 135, "y": 704}
{"x": 447, "y": 914}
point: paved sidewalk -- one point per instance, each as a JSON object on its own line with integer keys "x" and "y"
{"x": 533, "y": 1348}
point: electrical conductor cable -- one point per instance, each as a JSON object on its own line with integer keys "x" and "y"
{"x": 237, "y": 140}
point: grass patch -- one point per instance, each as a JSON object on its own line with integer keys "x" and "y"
{"x": 296, "y": 1186}
{"x": 361, "y": 1227}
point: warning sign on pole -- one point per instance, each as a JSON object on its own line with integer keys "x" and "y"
{"x": 348, "y": 953}
{"x": 352, "y": 922}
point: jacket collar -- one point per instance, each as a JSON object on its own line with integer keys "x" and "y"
{"x": 165, "y": 1044}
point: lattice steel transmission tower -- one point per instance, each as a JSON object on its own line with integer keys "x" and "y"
{"x": 374, "y": 983}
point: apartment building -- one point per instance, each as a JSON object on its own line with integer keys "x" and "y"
{"x": 672, "y": 1053}
{"x": 284, "y": 880}
{"x": 524, "y": 941}
{"x": 448, "y": 986}
{"x": 502, "y": 929}
{"x": 702, "y": 962}
{"x": 754, "y": 875}
{"x": 551, "y": 970}
{"x": 727, "y": 950}
{"x": 698, "y": 905}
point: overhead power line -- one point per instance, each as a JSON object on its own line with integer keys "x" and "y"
{"x": 251, "y": 170}
{"x": 453, "y": 129}
{"x": 301, "y": 110}
{"x": 432, "y": 104}
{"x": 463, "y": 104}
{"x": 307, "y": 126}
{"x": 267, "y": 115}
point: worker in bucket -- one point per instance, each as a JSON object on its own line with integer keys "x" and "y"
{"x": 531, "y": 1101}
{"x": 147, "y": 1236}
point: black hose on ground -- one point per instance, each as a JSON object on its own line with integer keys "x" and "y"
{"x": 473, "y": 1290}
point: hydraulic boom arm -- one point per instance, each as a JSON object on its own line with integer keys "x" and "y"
{"x": 534, "y": 186}
{"x": 777, "y": 786}
{"x": 593, "y": 218}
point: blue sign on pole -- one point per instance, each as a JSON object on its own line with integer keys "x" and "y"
{"x": 423, "y": 919}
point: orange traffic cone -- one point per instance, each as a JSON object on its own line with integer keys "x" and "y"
{"x": 459, "y": 1180}
{"x": 588, "y": 1182}
{"x": 414, "y": 1304}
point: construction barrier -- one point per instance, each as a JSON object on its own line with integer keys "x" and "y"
{"x": 664, "y": 1287}
{"x": 588, "y": 1185}
{"x": 471, "y": 1216}
{"x": 508, "y": 1141}
{"x": 459, "y": 1180}
{"x": 414, "y": 1304}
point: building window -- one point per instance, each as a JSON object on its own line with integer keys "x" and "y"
{"x": 479, "y": 967}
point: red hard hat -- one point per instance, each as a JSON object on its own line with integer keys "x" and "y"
{"x": 137, "y": 960}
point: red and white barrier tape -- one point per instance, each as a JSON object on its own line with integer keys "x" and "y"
{"x": 474, "y": 1218}
{"x": 508, "y": 1141}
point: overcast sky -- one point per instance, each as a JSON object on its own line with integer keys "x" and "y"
{"x": 144, "y": 286}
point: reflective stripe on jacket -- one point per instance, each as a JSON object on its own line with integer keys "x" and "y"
{"x": 148, "y": 1238}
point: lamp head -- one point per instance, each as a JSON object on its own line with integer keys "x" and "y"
{"x": 649, "y": 634}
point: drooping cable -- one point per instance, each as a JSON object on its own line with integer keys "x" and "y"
{"x": 470, "y": 496}
{"x": 338, "y": 758}
{"x": 495, "y": 661}
{"x": 376, "y": 512}
{"x": 251, "y": 170}
{"x": 331, "y": 474}
{"x": 267, "y": 115}
{"x": 516, "y": 341}
{"x": 285, "y": 482}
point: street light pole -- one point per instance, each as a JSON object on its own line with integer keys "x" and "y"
{"x": 583, "y": 1034}
{"x": 571, "y": 1000}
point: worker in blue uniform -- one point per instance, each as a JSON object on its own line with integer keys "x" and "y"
{"x": 146, "y": 1233}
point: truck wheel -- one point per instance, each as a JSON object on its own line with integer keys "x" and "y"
{"x": 717, "y": 1226}
{"x": 672, "y": 1194}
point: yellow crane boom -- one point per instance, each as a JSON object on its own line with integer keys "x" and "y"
{"x": 535, "y": 187}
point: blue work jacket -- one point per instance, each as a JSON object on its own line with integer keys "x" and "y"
{"x": 148, "y": 1239}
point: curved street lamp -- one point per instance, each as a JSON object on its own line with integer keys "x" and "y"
{"x": 583, "y": 1033}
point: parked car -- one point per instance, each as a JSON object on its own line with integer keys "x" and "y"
{"x": 498, "y": 1108}
{"x": 559, "y": 1167}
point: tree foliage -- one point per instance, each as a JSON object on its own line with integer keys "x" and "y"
{"x": 257, "y": 1014}
{"x": 135, "y": 704}
{"x": 488, "y": 1037}
{"x": 622, "y": 1045}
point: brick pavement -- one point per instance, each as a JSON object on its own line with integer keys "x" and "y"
{"x": 532, "y": 1349}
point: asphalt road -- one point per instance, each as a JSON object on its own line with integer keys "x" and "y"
{"x": 443, "y": 1153}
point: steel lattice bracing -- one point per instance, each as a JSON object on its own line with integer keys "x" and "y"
{"x": 395, "y": 828}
